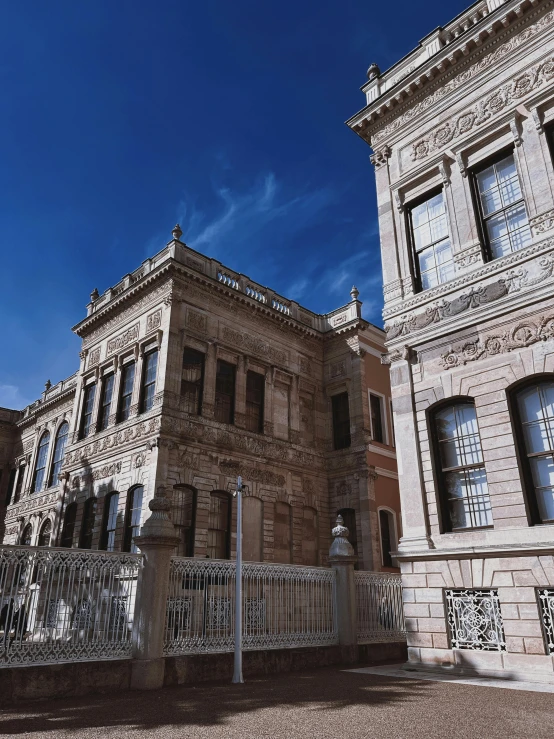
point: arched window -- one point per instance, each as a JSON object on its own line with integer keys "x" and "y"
{"x": 132, "y": 518}
{"x": 460, "y": 468}
{"x": 183, "y": 515}
{"x": 282, "y": 533}
{"x": 309, "y": 537}
{"x": 109, "y": 526}
{"x": 219, "y": 525}
{"x": 252, "y": 529}
{"x": 40, "y": 465}
{"x": 69, "y": 525}
{"x": 59, "y": 451}
{"x": 45, "y": 534}
{"x": 387, "y": 536}
{"x": 349, "y": 518}
{"x": 27, "y": 536}
{"x": 534, "y": 416}
{"x": 87, "y": 527}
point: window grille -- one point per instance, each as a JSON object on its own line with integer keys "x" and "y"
{"x": 127, "y": 381}
{"x": 59, "y": 451}
{"x": 110, "y": 522}
{"x": 546, "y": 609}
{"x": 40, "y": 465}
{"x": 87, "y": 527}
{"x": 69, "y": 525}
{"x": 341, "y": 421}
{"x": 149, "y": 380}
{"x": 503, "y": 210}
{"x": 106, "y": 401}
{"x": 88, "y": 407}
{"x": 431, "y": 241}
{"x": 225, "y": 392}
{"x": 377, "y": 426}
{"x": 461, "y": 467}
{"x": 183, "y": 515}
{"x": 192, "y": 381}
{"x": 255, "y": 401}
{"x": 474, "y": 620}
{"x": 132, "y": 522}
{"x": 535, "y": 409}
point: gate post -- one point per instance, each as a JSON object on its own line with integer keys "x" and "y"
{"x": 157, "y": 542}
{"x": 342, "y": 560}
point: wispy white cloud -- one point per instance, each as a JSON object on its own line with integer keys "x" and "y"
{"x": 11, "y": 397}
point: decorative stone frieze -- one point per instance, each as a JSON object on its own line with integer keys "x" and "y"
{"x": 112, "y": 441}
{"x": 123, "y": 340}
{"x": 542, "y": 223}
{"x": 154, "y": 321}
{"x": 254, "y": 474}
{"x": 253, "y": 344}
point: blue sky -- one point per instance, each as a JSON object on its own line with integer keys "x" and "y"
{"x": 119, "y": 118}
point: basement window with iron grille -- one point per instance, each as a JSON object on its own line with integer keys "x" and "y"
{"x": 474, "y": 620}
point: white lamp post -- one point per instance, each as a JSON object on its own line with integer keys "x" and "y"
{"x": 237, "y": 673}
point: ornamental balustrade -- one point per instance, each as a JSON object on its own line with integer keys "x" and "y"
{"x": 284, "y": 606}
{"x": 65, "y": 605}
{"x": 379, "y": 611}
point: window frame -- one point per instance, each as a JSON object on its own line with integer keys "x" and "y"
{"x": 221, "y": 494}
{"x": 233, "y": 396}
{"x": 104, "y": 534}
{"x": 52, "y": 475}
{"x": 143, "y": 384}
{"x": 393, "y": 531}
{"x": 477, "y": 168}
{"x": 90, "y": 502}
{"x": 63, "y": 535}
{"x": 410, "y": 238}
{"x": 185, "y": 548}
{"x": 384, "y": 425}
{"x": 524, "y": 467}
{"x": 445, "y": 523}
{"x": 45, "y": 523}
{"x": 125, "y": 367}
{"x": 44, "y": 478}
{"x": 200, "y": 383}
{"x": 128, "y": 527}
{"x": 336, "y": 423}
{"x": 260, "y": 406}
{"x": 102, "y": 406}
{"x": 88, "y": 388}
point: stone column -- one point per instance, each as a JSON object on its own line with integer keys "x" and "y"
{"x": 342, "y": 560}
{"x": 157, "y": 543}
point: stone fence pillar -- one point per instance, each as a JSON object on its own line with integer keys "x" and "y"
{"x": 342, "y": 560}
{"x": 157, "y": 542}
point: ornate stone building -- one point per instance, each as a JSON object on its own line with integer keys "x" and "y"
{"x": 191, "y": 374}
{"x": 462, "y": 134}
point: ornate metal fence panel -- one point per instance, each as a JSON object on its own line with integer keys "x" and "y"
{"x": 65, "y": 605}
{"x": 283, "y": 606}
{"x": 475, "y": 620}
{"x": 546, "y": 609}
{"x": 380, "y": 615}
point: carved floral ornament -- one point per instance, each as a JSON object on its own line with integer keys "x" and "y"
{"x": 512, "y": 281}
{"x": 485, "y": 109}
{"x": 518, "y": 337}
{"x": 266, "y": 477}
{"x": 490, "y": 59}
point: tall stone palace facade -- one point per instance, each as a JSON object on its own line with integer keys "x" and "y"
{"x": 462, "y": 131}
{"x": 190, "y": 375}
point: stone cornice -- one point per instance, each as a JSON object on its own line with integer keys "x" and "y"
{"x": 500, "y": 550}
{"x": 43, "y": 406}
{"x": 451, "y": 66}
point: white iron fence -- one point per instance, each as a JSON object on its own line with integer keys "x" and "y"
{"x": 284, "y": 606}
{"x": 65, "y": 605}
{"x": 380, "y": 615}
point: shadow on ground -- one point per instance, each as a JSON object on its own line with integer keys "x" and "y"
{"x": 322, "y": 703}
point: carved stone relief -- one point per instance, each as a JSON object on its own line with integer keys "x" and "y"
{"x": 154, "y": 321}
{"x": 266, "y": 477}
{"x": 123, "y": 340}
{"x": 197, "y": 321}
{"x": 253, "y": 344}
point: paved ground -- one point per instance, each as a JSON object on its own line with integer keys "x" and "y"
{"x": 328, "y": 703}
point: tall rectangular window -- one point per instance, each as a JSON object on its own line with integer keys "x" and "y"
{"x": 225, "y": 392}
{"x": 127, "y": 381}
{"x": 192, "y": 381}
{"x": 431, "y": 241}
{"x": 106, "y": 401}
{"x": 88, "y": 407}
{"x": 503, "y": 213}
{"x": 19, "y": 483}
{"x": 377, "y": 426}
{"x": 11, "y": 485}
{"x": 107, "y": 541}
{"x": 341, "y": 421}
{"x": 255, "y": 401}
{"x": 219, "y": 524}
{"x": 149, "y": 380}
{"x": 132, "y": 519}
